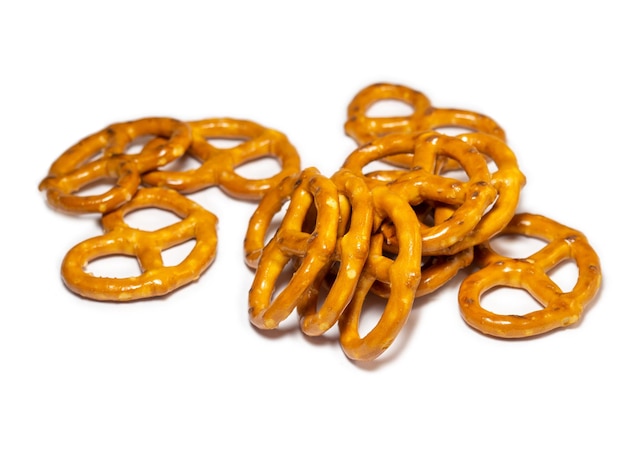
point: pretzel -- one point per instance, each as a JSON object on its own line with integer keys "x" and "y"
{"x": 363, "y": 128}
{"x": 61, "y": 191}
{"x": 87, "y": 162}
{"x": 313, "y": 249}
{"x": 402, "y": 273}
{"x": 508, "y": 181}
{"x": 218, "y": 164}
{"x": 531, "y": 274}
{"x": 351, "y": 251}
{"x": 470, "y": 198}
{"x": 147, "y": 246}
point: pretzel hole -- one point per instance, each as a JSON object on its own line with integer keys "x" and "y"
{"x": 184, "y": 163}
{"x": 371, "y": 313}
{"x": 137, "y": 145}
{"x": 389, "y": 108}
{"x": 150, "y": 218}
{"x": 175, "y": 255}
{"x": 262, "y": 167}
{"x": 222, "y": 143}
{"x": 456, "y": 174}
{"x": 377, "y": 168}
{"x": 114, "y": 266}
{"x": 516, "y": 246}
{"x": 565, "y": 275}
{"x": 96, "y": 187}
{"x": 503, "y": 300}
{"x": 97, "y": 155}
{"x": 451, "y": 130}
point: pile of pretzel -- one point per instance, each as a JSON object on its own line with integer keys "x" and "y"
{"x": 398, "y": 231}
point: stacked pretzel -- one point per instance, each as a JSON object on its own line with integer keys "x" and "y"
{"x": 142, "y": 180}
{"x": 404, "y": 231}
{"x": 397, "y": 233}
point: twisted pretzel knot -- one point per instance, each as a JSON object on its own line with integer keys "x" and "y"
{"x": 198, "y": 224}
{"x": 420, "y": 183}
{"x": 363, "y": 128}
{"x": 218, "y": 165}
{"x": 531, "y": 274}
{"x": 101, "y": 156}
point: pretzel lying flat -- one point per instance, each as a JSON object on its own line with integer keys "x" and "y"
{"x": 531, "y": 274}
{"x": 218, "y": 165}
{"x": 363, "y": 128}
{"x": 198, "y": 224}
{"x": 102, "y": 156}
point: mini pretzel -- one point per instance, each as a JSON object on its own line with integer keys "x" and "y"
{"x": 470, "y": 198}
{"x": 364, "y": 129}
{"x": 61, "y": 191}
{"x": 403, "y": 275}
{"x": 218, "y": 164}
{"x": 84, "y": 163}
{"x": 508, "y": 181}
{"x": 147, "y": 246}
{"x": 350, "y": 253}
{"x": 531, "y": 274}
{"x": 311, "y": 191}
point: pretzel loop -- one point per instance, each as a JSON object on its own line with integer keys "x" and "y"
{"x": 403, "y": 275}
{"x": 424, "y": 116}
{"x": 218, "y": 165}
{"x": 364, "y": 129}
{"x": 531, "y": 274}
{"x": 120, "y": 239}
{"x": 470, "y": 198}
{"x": 508, "y": 181}
{"x": 177, "y": 136}
{"x": 313, "y": 249}
{"x": 61, "y": 191}
{"x": 88, "y": 161}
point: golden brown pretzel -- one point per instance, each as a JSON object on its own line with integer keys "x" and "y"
{"x": 532, "y": 274}
{"x": 86, "y": 162}
{"x": 351, "y": 251}
{"x": 313, "y": 249}
{"x": 470, "y": 198}
{"x": 218, "y": 165}
{"x": 363, "y": 128}
{"x": 198, "y": 224}
{"x": 61, "y": 190}
{"x": 508, "y": 181}
{"x": 402, "y": 273}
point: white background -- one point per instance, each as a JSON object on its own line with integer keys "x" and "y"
{"x": 186, "y": 382}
